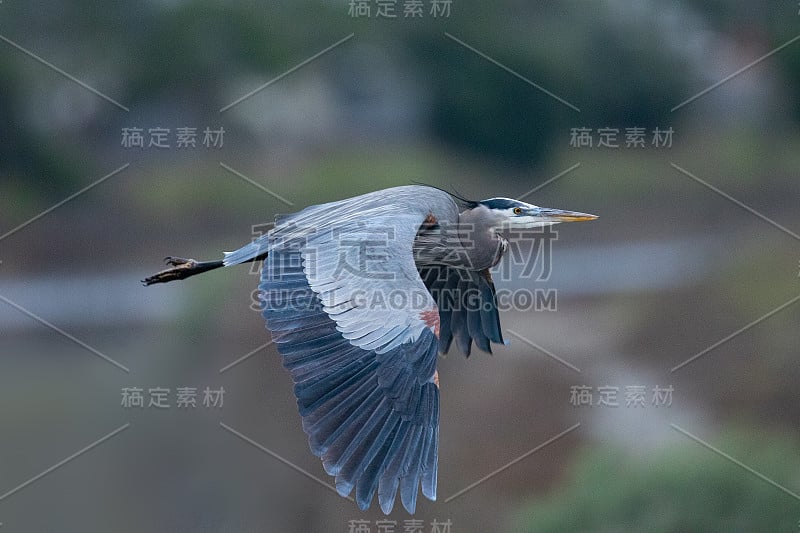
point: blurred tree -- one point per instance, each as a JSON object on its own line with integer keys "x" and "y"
{"x": 616, "y": 71}
{"x": 776, "y": 24}
{"x": 618, "y": 63}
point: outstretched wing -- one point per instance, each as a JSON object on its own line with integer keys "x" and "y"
{"x": 358, "y": 331}
{"x": 467, "y": 303}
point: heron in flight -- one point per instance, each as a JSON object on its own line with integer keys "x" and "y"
{"x": 360, "y": 296}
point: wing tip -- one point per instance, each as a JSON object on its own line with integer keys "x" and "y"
{"x": 386, "y": 506}
{"x": 344, "y": 488}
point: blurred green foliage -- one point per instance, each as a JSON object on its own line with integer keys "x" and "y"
{"x": 679, "y": 489}
{"x": 606, "y": 60}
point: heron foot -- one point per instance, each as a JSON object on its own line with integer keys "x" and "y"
{"x": 181, "y": 269}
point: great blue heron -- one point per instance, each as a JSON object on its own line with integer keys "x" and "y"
{"x": 353, "y": 292}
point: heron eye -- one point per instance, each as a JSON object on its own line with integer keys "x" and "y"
{"x": 517, "y": 210}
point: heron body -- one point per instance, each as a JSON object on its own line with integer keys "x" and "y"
{"x": 360, "y": 296}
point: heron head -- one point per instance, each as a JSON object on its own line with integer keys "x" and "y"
{"x": 514, "y": 214}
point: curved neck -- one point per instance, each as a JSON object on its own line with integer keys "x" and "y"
{"x": 478, "y": 235}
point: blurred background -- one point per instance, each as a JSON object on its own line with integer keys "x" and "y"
{"x": 133, "y": 131}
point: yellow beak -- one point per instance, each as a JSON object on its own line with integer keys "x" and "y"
{"x": 566, "y": 216}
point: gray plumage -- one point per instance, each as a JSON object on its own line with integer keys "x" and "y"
{"x": 360, "y": 296}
